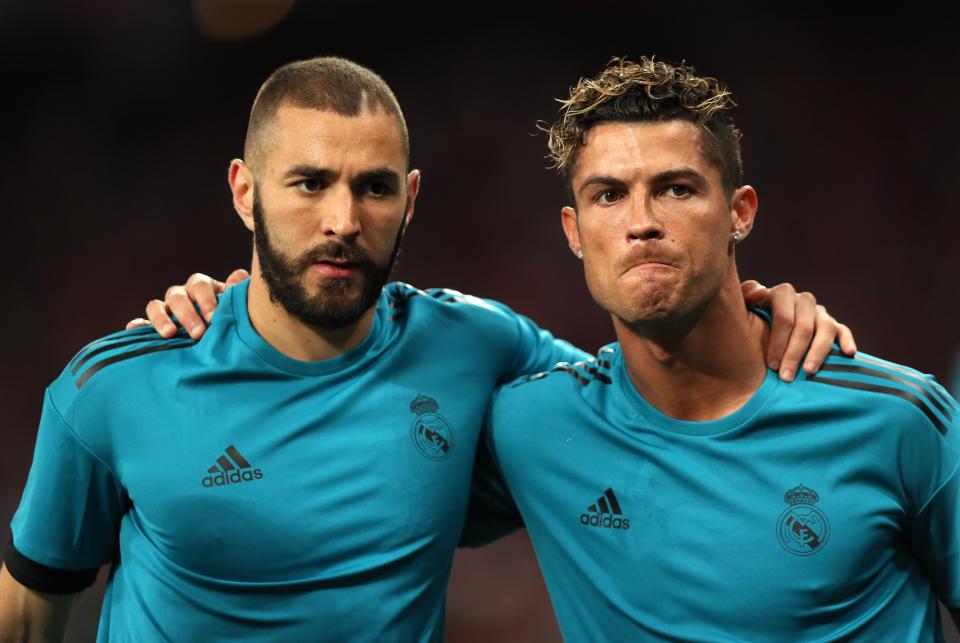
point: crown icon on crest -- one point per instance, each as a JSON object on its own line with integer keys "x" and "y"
{"x": 801, "y": 495}
{"x": 423, "y": 404}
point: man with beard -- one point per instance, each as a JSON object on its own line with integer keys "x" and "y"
{"x": 301, "y": 474}
{"x": 673, "y": 487}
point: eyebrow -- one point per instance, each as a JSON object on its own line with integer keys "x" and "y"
{"x": 658, "y": 179}
{"x": 680, "y": 173}
{"x": 384, "y": 174}
{"x": 312, "y": 171}
{"x": 606, "y": 181}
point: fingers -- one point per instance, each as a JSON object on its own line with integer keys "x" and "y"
{"x": 754, "y": 293}
{"x": 159, "y": 315}
{"x": 178, "y": 302}
{"x": 781, "y": 302}
{"x": 826, "y": 332}
{"x": 182, "y": 302}
{"x": 804, "y": 324}
{"x": 847, "y": 343}
{"x": 202, "y": 291}
{"x": 829, "y": 331}
{"x": 236, "y": 277}
{"x": 800, "y": 326}
{"x": 139, "y": 322}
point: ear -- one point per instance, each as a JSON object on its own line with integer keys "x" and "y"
{"x": 568, "y": 216}
{"x": 743, "y": 210}
{"x": 241, "y": 183}
{"x": 413, "y": 189}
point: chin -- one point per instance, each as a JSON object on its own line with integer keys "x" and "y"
{"x": 652, "y": 307}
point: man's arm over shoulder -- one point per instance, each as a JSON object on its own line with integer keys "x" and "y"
{"x": 535, "y": 349}
{"x": 517, "y": 345}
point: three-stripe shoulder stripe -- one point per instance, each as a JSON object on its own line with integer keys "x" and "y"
{"x": 583, "y": 372}
{"x": 147, "y": 332}
{"x": 400, "y": 299}
{"x": 919, "y": 392}
{"x": 93, "y": 366}
{"x": 102, "y": 347}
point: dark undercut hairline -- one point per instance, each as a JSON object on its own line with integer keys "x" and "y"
{"x": 326, "y": 84}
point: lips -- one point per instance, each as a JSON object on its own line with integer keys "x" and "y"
{"x": 333, "y": 269}
{"x": 334, "y": 260}
{"x": 648, "y": 263}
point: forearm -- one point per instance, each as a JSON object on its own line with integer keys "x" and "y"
{"x": 31, "y": 617}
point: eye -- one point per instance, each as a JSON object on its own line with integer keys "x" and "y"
{"x": 309, "y": 186}
{"x": 379, "y": 188}
{"x": 679, "y": 190}
{"x": 608, "y": 197}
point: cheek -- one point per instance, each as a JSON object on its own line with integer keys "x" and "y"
{"x": 597, "y": 284}
{"x": 601, "y": 235}
{"x": 289, "y": 230}
{"x": 380, "y": 230}
{"x": 710, "y": 256}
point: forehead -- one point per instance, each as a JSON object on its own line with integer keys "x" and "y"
{"x": 633, "y": 150}
{"x": 301, "y": 135}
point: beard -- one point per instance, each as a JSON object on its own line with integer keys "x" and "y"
{"x": 335, "y": 305}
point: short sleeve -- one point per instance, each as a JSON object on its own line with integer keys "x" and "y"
{"x": 69, "y": 514}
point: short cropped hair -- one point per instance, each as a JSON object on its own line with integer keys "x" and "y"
{"x": 329, "y": 83}
{"x": 648, "y": 91}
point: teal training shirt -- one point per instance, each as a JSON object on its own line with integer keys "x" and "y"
{"x": 824, "y": 509}
{"x": 240, "y": 494}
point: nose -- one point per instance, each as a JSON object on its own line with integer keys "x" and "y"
{"x": 644, "y": 223}
{"x": 341, "y": 217}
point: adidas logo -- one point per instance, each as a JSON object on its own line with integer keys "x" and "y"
{"x": 233, "y": 468}
{"x": 605, "y": 512}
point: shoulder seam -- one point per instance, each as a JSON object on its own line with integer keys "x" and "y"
{"x": 77, "y": 438}
{"x": 943, "y": 484}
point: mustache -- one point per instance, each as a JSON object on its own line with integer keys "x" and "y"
{"x": 336, "y": 251}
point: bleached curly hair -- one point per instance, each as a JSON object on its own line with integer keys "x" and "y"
{"x": 648, "y": 91}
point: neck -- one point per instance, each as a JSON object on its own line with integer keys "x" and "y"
{"x": 291, "y": 335}
{"x": 701, "y": 368}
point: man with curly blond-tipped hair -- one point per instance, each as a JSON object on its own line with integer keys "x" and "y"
{"x": 653, "y": 92}
{"x": 673, "y": 487}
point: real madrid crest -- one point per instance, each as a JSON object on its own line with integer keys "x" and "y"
{"x": 802, "y": 528}
{"x": 430, "y": 432}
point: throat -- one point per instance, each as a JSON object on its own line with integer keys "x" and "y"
{"x": 708, "y": 373}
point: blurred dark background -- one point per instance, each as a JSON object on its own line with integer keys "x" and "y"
{"x": 119, "y": 120}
